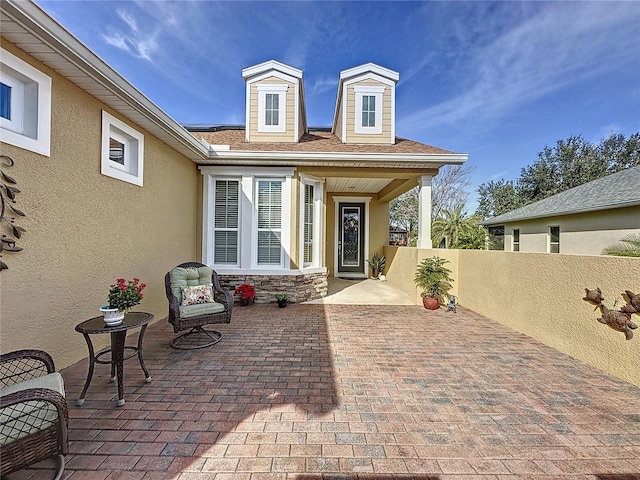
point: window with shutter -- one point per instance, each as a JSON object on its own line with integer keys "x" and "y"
{"x": 226, "y": 222}
{"x": 308, "y": 224}
{"x": 269, "y": 222}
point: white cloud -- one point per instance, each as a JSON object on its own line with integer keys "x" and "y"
{"x": 322, "y": 85}
{"x": 562, "y": 44}
{"x": 139, "y": 43}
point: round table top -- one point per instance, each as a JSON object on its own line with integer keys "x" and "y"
{"x": 131, "y": 320}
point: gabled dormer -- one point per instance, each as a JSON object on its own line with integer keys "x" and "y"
{"x": 366, "y": 105}
{"x": 275, "y": 103}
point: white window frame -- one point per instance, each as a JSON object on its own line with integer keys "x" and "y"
{"x": 318, "y": 195}
{"x": 550, "y": 243}
{"x": 274, "y": 89}
{"x": 256, "y": 227}
{"x": 227, "y": 229}
{"x": 133, "y": 169}
{"x": 16, "y": 104}
{"x": 31, "y": 104}
{"x": 515, "y": 243}
{"x": 371, "y": 91}
{"x": 248, "y": 235}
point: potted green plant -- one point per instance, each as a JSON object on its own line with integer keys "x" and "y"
{"x": 435, "y": 281}
{"x": 377, "y": 264}
{"x": 247, "y": 294}
{"x": 282, "y": 299}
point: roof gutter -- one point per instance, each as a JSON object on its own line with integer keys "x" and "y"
{"x": 452, "y": 158}
{"x": 497, "y": 221}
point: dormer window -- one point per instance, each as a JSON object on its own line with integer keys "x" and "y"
{"x": 272, "y": 105}
{"x": 368, "y": 108}
{"x": 368, "y": 111}
{"x": 271, "y": 117}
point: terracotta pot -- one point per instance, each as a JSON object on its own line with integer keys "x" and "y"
{"x": 431, "y": 303}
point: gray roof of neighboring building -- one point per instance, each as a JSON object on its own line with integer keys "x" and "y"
{"x": 621, "y": 189}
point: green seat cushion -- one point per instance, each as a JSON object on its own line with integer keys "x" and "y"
{"x": 23, "y": 419}
{"x": 188, "y": 311}
{"x": 181, "y": 277}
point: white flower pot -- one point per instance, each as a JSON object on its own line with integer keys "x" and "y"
{"x": 112, "y": 316}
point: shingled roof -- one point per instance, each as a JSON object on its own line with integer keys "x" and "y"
{"x": 618, "y": 190}
{"x": 315, "y": 140}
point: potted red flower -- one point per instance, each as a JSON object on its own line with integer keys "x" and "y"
{"x": 247, "y": 294}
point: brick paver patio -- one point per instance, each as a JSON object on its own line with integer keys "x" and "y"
{"x": 343, "y": 392}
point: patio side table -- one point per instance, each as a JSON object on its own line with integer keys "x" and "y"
{"x": 96, "y": 326}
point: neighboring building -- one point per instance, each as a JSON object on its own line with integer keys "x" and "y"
{"x": 112, "y": 187}
{"x": 398, "y": 236}
{"x": 288, "y": 205}
{"x": 582, "y": 220}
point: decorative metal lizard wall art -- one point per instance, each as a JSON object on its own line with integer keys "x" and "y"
{"x": 619, "y": 320}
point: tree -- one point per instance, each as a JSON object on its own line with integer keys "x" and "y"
{"x": 568, "y": 164}
{"x": 448, "y": 189}
{"x": 403, "y": 213}
{"x": 496, "y": 198}
{"x": 459, "y": 229}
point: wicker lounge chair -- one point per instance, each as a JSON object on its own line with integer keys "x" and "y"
{"x": 191, "y": 311}
{"x": 34, "y": 420}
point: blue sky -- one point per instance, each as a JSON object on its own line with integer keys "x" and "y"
{"x": 496, "y": 80}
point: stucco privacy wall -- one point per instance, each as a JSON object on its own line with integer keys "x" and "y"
{"x": 84, "y": 230}
{"x": 540, "y": 295}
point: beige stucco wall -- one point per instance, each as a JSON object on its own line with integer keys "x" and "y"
{"x": 541, "y": 295}
{"x": 585, "y": 233}
{"x": 84, "y": 230}
{"x": 352, "y": 115}
{"x": 289, "y": 134}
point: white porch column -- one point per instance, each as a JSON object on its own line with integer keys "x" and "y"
{"x": 424, "y": 212}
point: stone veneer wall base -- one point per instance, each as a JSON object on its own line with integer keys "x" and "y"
{"x": 299, "y": 288}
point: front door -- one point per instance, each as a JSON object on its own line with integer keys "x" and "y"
{"x": 351, "y": 239}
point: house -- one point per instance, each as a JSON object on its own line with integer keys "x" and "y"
{"x": 286, "y": 205}
{"x": 108, "y": 186}
{"x": 398, "y": 236}
{"x": 111, "y": 186}
{"x": 583, "y": 220}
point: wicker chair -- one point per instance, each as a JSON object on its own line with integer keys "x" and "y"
{"x": 34, "y": 419}
{"x": 192, "y": 317}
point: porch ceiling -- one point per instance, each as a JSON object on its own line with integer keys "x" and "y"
{"x": 357, "y": 185}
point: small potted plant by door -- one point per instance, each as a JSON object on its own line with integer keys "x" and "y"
{"x": 377, "y": 264}
{"x": 247, "y": 294}
{"x": 435, "y": 281}
{"x": 282, "y": 299}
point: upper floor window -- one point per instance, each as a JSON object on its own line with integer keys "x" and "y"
{"x": 25, "y": 105}
{"x": 122, "y": 150}
{"x": 516, "y": 239}
{"x": 368, "y": 109}
{"x": 272, "y": 110}
{"x": 554, "y": 239}
{"x": 272, "y": 102}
